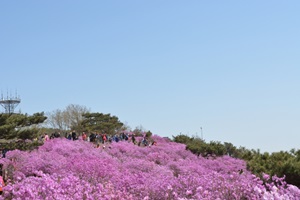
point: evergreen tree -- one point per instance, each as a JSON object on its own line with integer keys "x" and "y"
{"x": 101, "y": 122}
{"x": 19, "y": 126}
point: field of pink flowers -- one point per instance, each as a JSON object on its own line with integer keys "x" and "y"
{"x": 64, "y": 169}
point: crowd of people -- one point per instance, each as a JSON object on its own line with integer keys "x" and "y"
{"x": 102, "y": 138}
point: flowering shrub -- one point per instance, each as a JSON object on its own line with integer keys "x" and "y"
{"x": 64, "y": 169}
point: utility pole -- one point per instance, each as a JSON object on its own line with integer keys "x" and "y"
{"x": 201, "y": 133}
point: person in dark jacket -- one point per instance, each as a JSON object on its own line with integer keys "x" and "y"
{"x": 74, "y": 137}
{"x": 133, "y": 138}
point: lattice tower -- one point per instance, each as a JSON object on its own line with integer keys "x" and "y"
{"x": 10, "y": 103}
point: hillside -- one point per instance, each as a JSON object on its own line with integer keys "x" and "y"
{"x": 64, "y": 169}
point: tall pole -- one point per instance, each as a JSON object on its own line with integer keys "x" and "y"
{"x": 201, "y": 133}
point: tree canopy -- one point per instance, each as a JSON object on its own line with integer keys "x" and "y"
{"x": 19, "y": 126}
{"x": 100, "y": 122}
{"x": 69, "y": 118}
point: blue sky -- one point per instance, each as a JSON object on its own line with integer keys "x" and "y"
{"x": 230, "y": 67}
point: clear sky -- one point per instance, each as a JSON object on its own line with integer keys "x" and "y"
{"x": 230, "y": 67}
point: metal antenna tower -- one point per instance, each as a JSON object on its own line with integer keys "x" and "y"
{"x": 9, "y": 103}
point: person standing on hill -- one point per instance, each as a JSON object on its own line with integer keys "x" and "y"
{"x": 74, "y": 137}
{"x": 46, "y": 138}
{"x": 69, "y": 137}
{"x": 83, "y": 136}
{"x": 104, "y": 138}
{"x": 133, "y": 138}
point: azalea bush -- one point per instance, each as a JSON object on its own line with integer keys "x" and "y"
{"x": 281, "y": 163}
{"x": 64, "y": 169}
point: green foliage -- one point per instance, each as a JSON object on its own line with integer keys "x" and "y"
{"x": 200, "y": 147}
{"x": 197, "y": 146}
{"x": 19, "y": 144}
{"x": 138, "y": 131}
{"x": 278, "y": 163}
{"x": 184, "y": 139}
{"x": 36, "y": 118}
{"x": 30, "y": 134}
{"x": 148, "y": 134}
{"x": 216, "y": 148}
{"x": 18, "y": 125}
{"x": 101, "y": 122}
{"x": 230, "y": 149}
